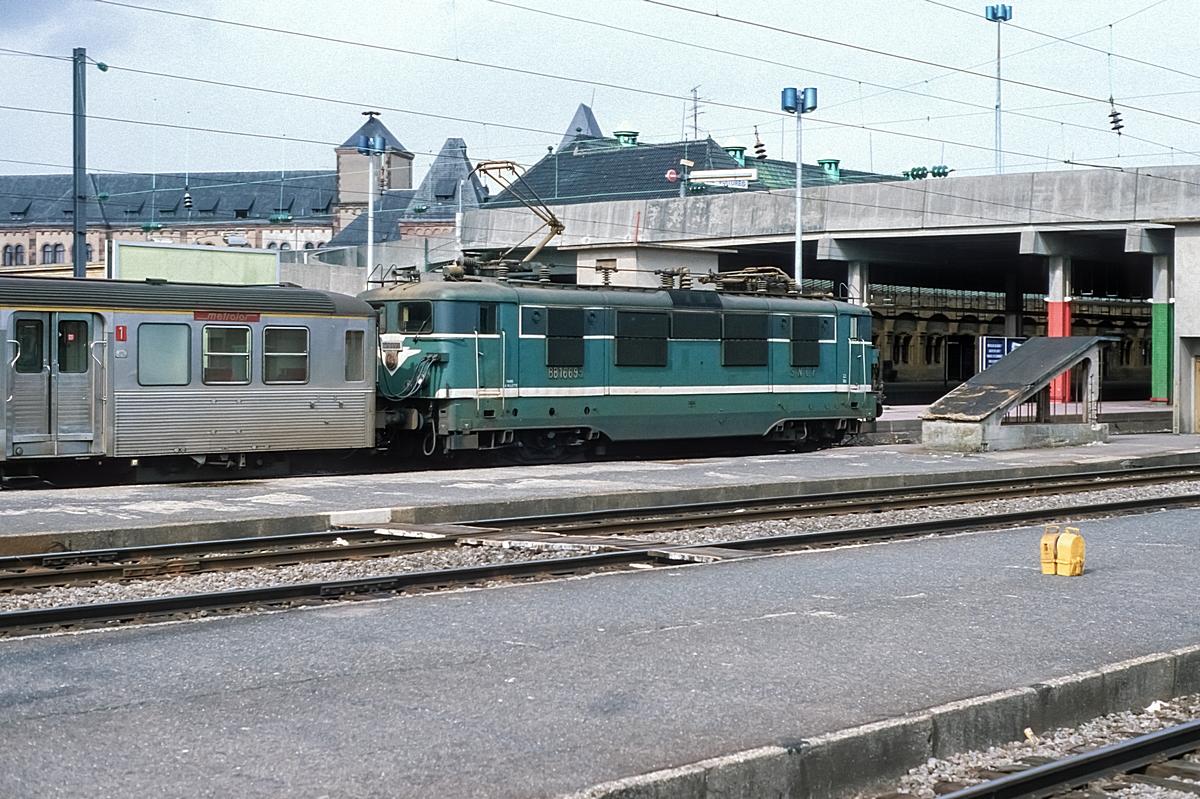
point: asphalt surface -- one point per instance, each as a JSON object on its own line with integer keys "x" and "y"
{"x": 123, "y": 507}
{"x": 538, "y": 689}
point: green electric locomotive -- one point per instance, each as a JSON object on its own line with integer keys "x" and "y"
{"x": 545, "y": 369}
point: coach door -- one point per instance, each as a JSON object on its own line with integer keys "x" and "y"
{"x": 55, "y": 379}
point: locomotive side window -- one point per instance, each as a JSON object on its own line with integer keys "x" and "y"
{"x": 225, "y": 354}
{"x": 29, "y": 339}
{"x": 164, "y": 354}
{"x": 72, "y": 346}
{"x": 355, "y": 371}
{"x": 642, "y": 338}
{"x": 414, "y": 317}
{"x": 806, "y": 332}
{"x": 745, "y": 340}
{"x": 564, "y": 337}
{"x": 285, "y": 355}
{"x": 686, "y": 325}
{"x": 466, "y": 317}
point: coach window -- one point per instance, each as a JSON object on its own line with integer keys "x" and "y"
{"x": 355, "y": 356}
{"x": 72, "y": 346}
{"x": 806, "y": 332}
{"x": 414, "y": 317}
{"x": 30, "y": 357}
{"x": 745, "y": 340}
{"x": 164, "y": 354}
{"x": 642, "y": 338}
{"x": 226, "y": 354}
{"x": 285, "y": 355}
{"x": 564, "y": 337}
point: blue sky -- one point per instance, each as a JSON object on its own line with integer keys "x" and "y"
{"x": 505, "y": 112}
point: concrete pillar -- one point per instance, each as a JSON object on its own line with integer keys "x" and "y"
{"x": 1058, "y": 317}
{"x": 857, "y": 277}
{"x": 1014, "y": 305}
{"x": 1162, "y": 331}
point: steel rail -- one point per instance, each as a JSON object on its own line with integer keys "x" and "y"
{"x": 1043, "y": 781}
{"x": 646, "y": 553}
{"x": 40, "y": 570}
{"x": 60, "y": 568}
{"x": 862, "y": 500}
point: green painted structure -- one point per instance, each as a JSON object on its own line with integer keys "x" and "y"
{"x": 1162, "y": 356}
{"x": 481, "y": 363}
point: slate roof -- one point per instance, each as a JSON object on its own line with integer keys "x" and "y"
{"x": 218, "y": 197}
{"x": 388, "y": 210}
{"x": 601, "y": 170}
{"x": 372, "y": 128}
{"x": 438, "y": 193}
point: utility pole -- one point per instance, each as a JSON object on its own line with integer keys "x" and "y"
{"x": 998, "y": 14}
{"x": 799, "y": 103}
{"x": 79, "y": 165}
{"x": 372, "y": 147}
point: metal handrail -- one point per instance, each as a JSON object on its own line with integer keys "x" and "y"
{"x": 12, "y": 365}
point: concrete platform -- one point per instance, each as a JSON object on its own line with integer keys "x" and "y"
{"x": 793, "y": 675}
{"x": 94, "y": 518}
{"x": 901, "y": 424}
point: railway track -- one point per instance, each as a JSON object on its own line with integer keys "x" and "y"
{"x": 31, "y": 572}
{"x": 1146, "y": 759}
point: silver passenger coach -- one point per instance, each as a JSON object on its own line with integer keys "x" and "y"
{"x": 125, "y": 370}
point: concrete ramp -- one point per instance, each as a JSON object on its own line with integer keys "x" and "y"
{"x": 1007, "y": 406}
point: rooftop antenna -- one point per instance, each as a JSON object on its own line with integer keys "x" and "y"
{"x": 696, "y": 112}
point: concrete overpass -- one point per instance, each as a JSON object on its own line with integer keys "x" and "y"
{"x": 1074, "y": 239}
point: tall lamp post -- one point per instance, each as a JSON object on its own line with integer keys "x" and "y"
{"x": 372, "y": 147}
{"x": 998, "y": 14}
{"x": 799, "y": 102}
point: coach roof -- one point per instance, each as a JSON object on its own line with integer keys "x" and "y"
{"x": 40, "y": 292}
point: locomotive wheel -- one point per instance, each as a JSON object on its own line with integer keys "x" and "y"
{"x": 540, "y": 446}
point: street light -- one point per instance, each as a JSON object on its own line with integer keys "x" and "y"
{"x": 998, "y": 14}
{"x": 799, "y": 102}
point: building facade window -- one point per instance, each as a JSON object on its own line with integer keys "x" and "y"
{"x": 19, "y": 257}
{"x": 308, "y": 245}
{"x": 47, "y": 254}
{"x": 60, "y": 254}
{"x": 272, "y": 246}
{"x": 285, "y": 246}
{"x": 9, "y": 256}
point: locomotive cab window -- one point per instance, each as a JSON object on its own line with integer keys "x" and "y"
{"x": 642, "y": 338}
{"x": 414, "y": 317}
{"x": 355, "y": 354}
{"x": 564, "y": 337}
{"x": 466, "y": 317}
{"x": 72, "y": 346}
{"x": 285, "y": 355}
{"x": 225, "y": 354}
{"x": 806, "y": 332}
{"x": 164, "y": 355}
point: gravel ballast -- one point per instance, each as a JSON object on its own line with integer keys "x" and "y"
{"x": 467, "y": 556}
{"x": 938, "y": 777}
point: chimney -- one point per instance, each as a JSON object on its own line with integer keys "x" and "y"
{"x": 830, "y": 165}
{"x": 626, "y": 138}
{"x": 737, "y": 152}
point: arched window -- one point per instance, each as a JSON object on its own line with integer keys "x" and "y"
{"x": 272, "y": 246}
{"x": 285, "y": 246}
{"x": 89, "y": 253}
{"x": 320, "y": 244}
{"x": 20, "y": 256}
{"x": 8, "y": 255}
{"x": 60, "y": 253}
{"x": 47, "y": 253}
{"x": 308, "y": 245}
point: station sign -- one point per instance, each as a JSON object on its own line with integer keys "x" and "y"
{"x": 993, "y": 348}
{"x": 730, "y": 178}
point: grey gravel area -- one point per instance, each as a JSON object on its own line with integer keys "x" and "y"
{"x": 734, "y": 532}
{"x": 937, "y": 777}
{"x": 461, "y": 557}
{"x": 482, "y": 555}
